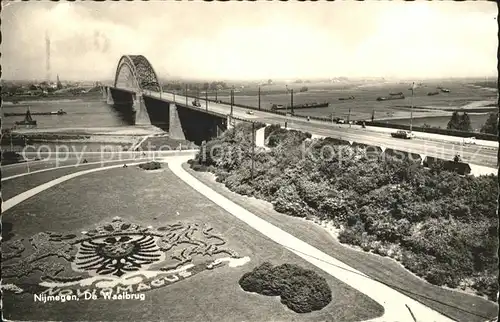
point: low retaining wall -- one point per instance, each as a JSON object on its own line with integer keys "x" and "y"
{"x": 401, "y": 155}
{"x": 460, "y": 167}
{"x": 462, "y": 134}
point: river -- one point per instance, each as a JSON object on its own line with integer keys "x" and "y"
{"x": 80, "y": 114}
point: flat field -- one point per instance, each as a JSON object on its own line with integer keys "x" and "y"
{"x": 365, "y": 103}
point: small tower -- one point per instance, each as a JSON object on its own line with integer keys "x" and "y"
{"x": 59, "y": 85}
{"x": 47, "y": 56}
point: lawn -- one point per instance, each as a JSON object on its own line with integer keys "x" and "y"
{"x": 165, "y": 143}
{"x": 13, "y": 187}
{"x": 156, "y": 199}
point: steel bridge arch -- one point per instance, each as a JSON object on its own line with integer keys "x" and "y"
{"x": 139, "y": 74}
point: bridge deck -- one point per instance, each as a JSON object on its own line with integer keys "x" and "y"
{"x": 435, "y": 145}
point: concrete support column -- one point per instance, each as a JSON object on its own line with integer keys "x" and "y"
{"x": 422, "y": 156}
{"x": 141, "y": 113}
{"x": 109, "y": 97}
{"x": 230, "y": 122}
{"x": 259, "y": 137}
{"x": 104, "y": 92}
{"x": 175, "y": 127}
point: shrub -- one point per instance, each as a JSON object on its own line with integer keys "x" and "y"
{"x": 270, "y": 129}
{"x": 153, "y": 165}
{"x": 443, "y": 225}
{"x": 301, "y": 290}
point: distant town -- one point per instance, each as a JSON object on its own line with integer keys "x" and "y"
{"x": 34, "y": 89}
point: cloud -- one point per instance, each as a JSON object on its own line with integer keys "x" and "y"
{"x": 252, "y": 40}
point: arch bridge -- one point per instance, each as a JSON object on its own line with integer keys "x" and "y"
{"x": 135, "y": 72}
{"x": 137, "y": 95}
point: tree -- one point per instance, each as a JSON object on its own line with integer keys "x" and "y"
{"x": 454, "y": 121}
{"x": 459, "y": 122}
{"x": 491, "y": 124}
{"x": 464, "y": 124}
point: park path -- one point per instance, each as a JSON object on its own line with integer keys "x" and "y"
{"x": 398, "y": 307}
{"x": 9, "y": 203}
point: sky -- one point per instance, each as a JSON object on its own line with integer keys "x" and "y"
{"x": 252, "y": 40}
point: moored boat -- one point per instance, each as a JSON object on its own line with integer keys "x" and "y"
{"x": 60, "y": 112}
{"x": 28, "y": 120}
{"x": 299, "y": 106}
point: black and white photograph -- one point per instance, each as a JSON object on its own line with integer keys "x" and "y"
{"x": 257, "y": 161}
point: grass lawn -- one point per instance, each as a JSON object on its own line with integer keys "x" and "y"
{"x": 165, "y": 143}
{"x": 12, "y": 170}
{"x": 13, "y": 187}
{"x": 157, "y": 199}
{"x": 458, "y": 305}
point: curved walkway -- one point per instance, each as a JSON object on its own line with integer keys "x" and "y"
{"x": 7, "y": 204}
{"x": 398, "y": 307}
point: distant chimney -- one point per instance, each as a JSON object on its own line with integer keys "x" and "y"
{"x": 47, "y": 53}
{"x": 59, "y": 84}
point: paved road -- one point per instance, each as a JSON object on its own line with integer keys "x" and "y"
{"x": 474, "y": 154}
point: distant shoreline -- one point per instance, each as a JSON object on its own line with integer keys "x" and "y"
{"x": 58, "y": 97}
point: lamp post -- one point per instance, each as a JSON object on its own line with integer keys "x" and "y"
{"x": 253, "y": 148}
{"x": 259, "y": 97}
{"x": 186, "y": 95}
{"x": 231, "y": 99}
{"x": 173, "y": 92}
{"x": 286, "y": 109}
{"x": 206, "y": 99}
{"x": 291, "y": 101}
{"x": 216, "y": 94}
{"x": 411, "y": 107}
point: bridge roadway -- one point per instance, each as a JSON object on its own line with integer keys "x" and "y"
{"x": 473, "y": 154}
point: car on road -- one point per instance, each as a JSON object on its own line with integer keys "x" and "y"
{"x": 471, "y": 140}
{"x": 401, "y": 134}
{"x": 340, "y": 121}
{"x": 250, "y": 112}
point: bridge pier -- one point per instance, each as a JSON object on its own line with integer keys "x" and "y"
{"x": 175, "y": 127}
{"x": 230, "y": 122}
{"x": 138, "y": 105}
{"x": 260, "y": 137}
{"x": 109, "y": 97}
{"x": 104, "y": 92}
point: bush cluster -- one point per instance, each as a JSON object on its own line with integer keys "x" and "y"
{"x": 301, "y": 290}
{"x": 442, "y": 226}
{"x": 153, "y": 165}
